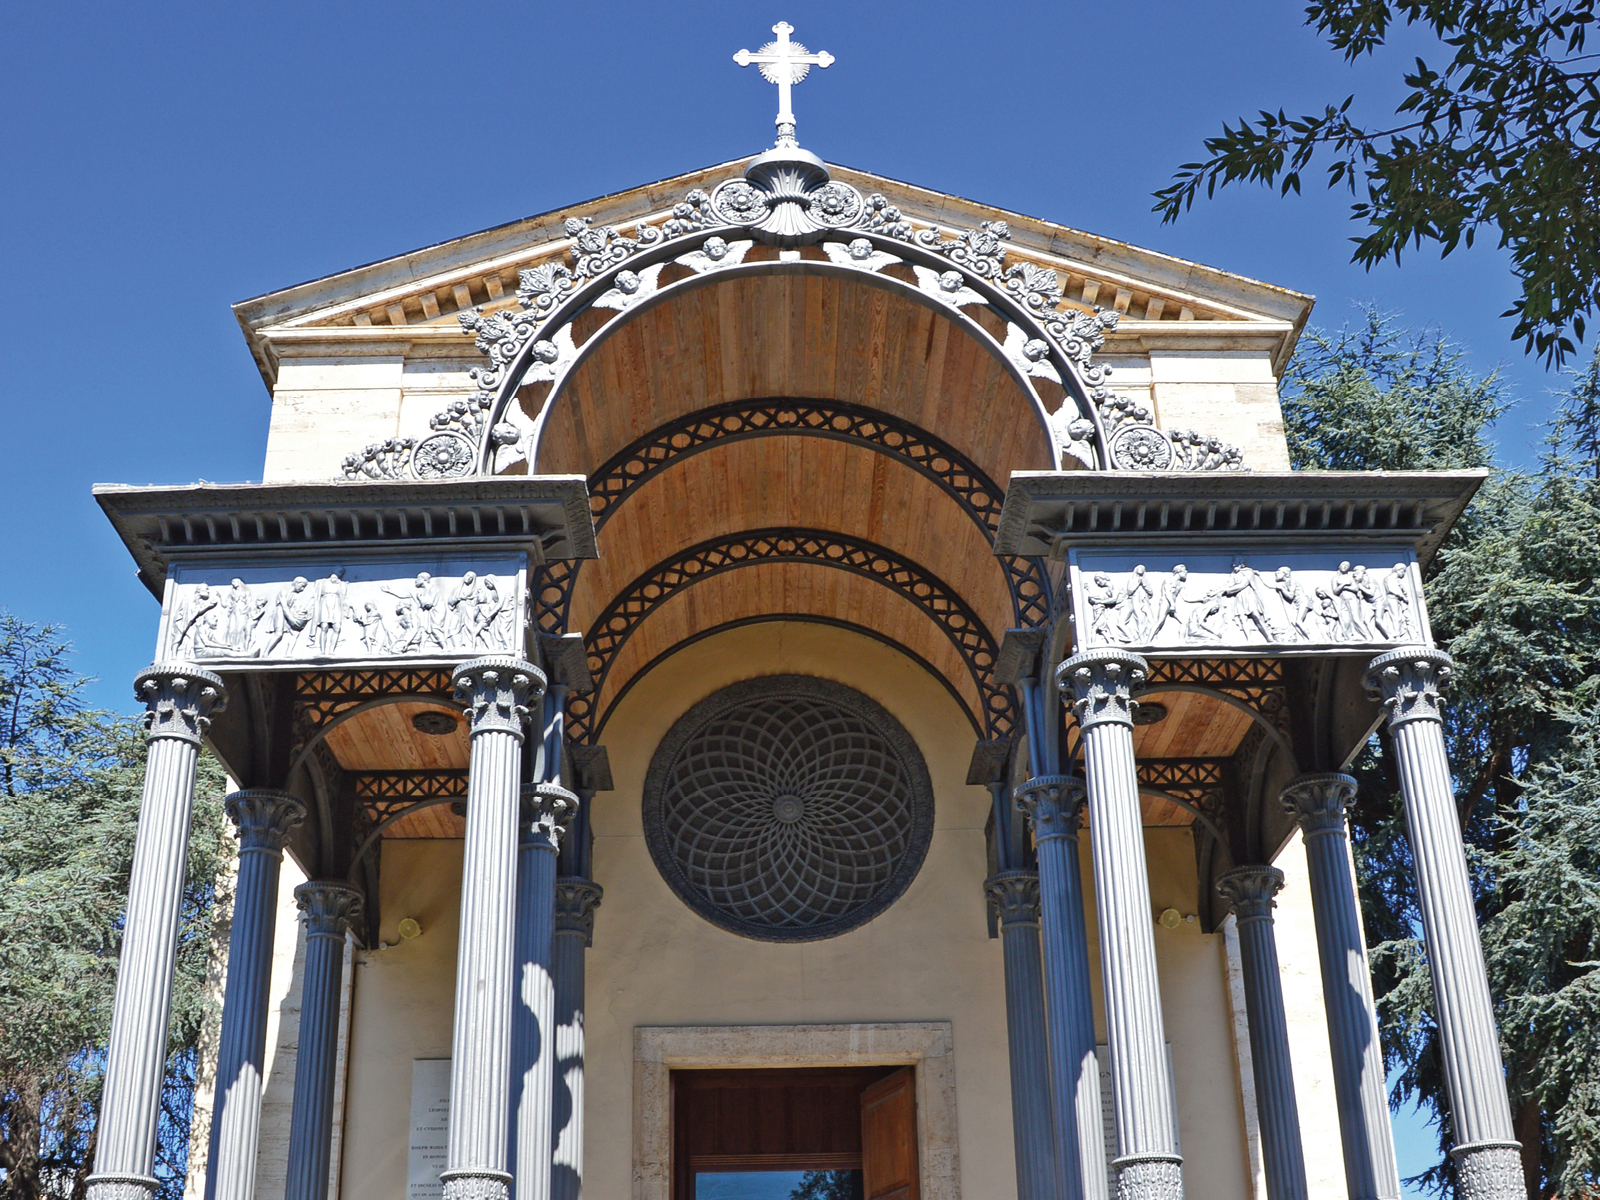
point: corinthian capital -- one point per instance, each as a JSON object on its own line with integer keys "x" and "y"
{"x": 1251, "y": 890}
{"x": 327, "y": 908}
{"x": 264, "y": 817}
{"x": 1101, "y": 684}
{"x": 1409, "y": 682}
{"x": 1319, "y": 802}
{"x": 179, "y": 700}
{"x": 1015, "y": 896}
{"x": 547, "y": 809}
{"x": 1053, "y": 804}
{"x": 576, "y": 900}
{"x": 497, "y": 691}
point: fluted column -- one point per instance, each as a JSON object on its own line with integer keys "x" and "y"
{"x": 264, "y": 819}
{"x": 1015, "y": 896}
{"x": 1250, "y": 890}
{"x": 327, "y": 910}
{"x": 576, "y": 900}
{"x": 496, "y": 693}
{"x": 1486, "y": 1154}
{"x": 1101, "y": 683}
{"x": 546, "y": 807}
{"x": 1054, "y": 805}
{"x": 180, "y": 700}
{"x": 1318, "y": 802}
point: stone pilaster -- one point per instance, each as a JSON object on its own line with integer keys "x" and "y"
{"x": 1015, "y": 896}
{"x": 1318, "y": 802}
{"x": 1054, "y": 807}
{"x": 1250, "y": 890}
{"x": 264, "y": 818}
{"x": 576, "y": 900}
{"x": 327, "y": 910}
{"x": 496, "y": 693}
{"x": 179, "y": 701}
{"x": 546, "y": 808}
{"x": 1100, "y": 684}
{"x": 1486, "y": 1153}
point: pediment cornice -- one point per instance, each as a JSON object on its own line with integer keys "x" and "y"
{"x": 422, "y": 291}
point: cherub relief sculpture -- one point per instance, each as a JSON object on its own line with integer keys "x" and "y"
{"x": 334, "y": 617}
{"x": 1349, "y": 605}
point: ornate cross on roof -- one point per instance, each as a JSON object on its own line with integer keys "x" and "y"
{"x": 784, "y": 63}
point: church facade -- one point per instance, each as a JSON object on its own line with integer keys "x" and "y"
{"x": 780, "y": 682}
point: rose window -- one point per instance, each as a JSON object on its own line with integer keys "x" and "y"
{"x": 788, "y": 808}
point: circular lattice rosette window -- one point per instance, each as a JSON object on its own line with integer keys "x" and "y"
{"x": 788, "y": 808}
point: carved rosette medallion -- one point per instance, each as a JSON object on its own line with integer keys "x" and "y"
{"x": 1489, "y": 1171}
{"x": 496, "y": 693}
{"x": 443, "y": 456}
{"x": 1141, "y": 448}
{"x": 1053, "y": 805}
{"x": 1251, "y": 891}
{"x": 1319, "y": 802}
{"x": 576, "y": 900}
{"x": 1014, "y": 896}
{"x": 1101, "y": 684}
{"x": 1409, "y": 682}
{"x": 179, "y": 700}
{"x": 264, "y": 817}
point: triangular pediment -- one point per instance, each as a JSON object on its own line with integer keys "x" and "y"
{"x": 1163, "y": 301}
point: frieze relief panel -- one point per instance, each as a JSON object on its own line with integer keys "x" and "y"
{"x": 1169, "y": 600}
{"x": 288, "y": 614}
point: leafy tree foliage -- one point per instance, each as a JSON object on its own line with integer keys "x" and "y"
{"x": 70, "y": 781}
{"x": 1514, "y": 595}
{"x": 1505, "y": 135}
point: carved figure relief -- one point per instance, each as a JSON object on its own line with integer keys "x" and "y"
{"x": 1251, "y": 599}
{"x": 377, "y": 611}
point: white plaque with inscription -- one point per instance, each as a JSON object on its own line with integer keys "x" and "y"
{"x": 365, "y": 611}
{"x": 430, "y": 1128}
{"x": 1252, "y": 601}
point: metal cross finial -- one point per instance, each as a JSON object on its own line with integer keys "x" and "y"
{"x": 784, "y": 63}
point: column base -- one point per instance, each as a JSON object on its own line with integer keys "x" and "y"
{"x": 121, "y": 1187}
{"x": 1489, "y": 1171}
{"x": 476, "y": 1185}
{"x": 1149, "y": 1177}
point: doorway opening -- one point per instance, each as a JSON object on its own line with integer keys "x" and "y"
{"x": 836, "y": 1133}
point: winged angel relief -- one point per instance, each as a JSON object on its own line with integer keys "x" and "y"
{"x": 1350, "y": 605}
{"x": 336, "y": 618}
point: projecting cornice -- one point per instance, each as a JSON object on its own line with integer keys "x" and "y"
{"x": 1046, "y": 511}
{"x": 544, "y": 516}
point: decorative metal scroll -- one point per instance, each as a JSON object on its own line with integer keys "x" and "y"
{"x": 958, "y": 475}
{"x": 788, "y": 809}
{"x": 712, "y": 232}
{"x": 1251, "y": 601}
{"x": 625, "y": 613}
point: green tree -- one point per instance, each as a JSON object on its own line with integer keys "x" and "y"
{"x": 1506, "y": 135}
{"x": 70, "y": 781}
{"x": 1514, "y": 595}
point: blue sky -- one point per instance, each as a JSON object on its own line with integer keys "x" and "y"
{"x": 163, "y": 161}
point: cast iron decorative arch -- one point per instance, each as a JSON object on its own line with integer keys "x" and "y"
{"x": 961, "y": 478}
{"x": 628, "y": 610}
{"x": 709, "y": 235}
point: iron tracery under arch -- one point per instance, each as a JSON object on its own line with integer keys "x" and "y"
{"x": 937, "y": 600}
{"x": 641, "y": 460}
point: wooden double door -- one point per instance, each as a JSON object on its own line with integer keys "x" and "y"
{"x": 795, "y": 1134}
